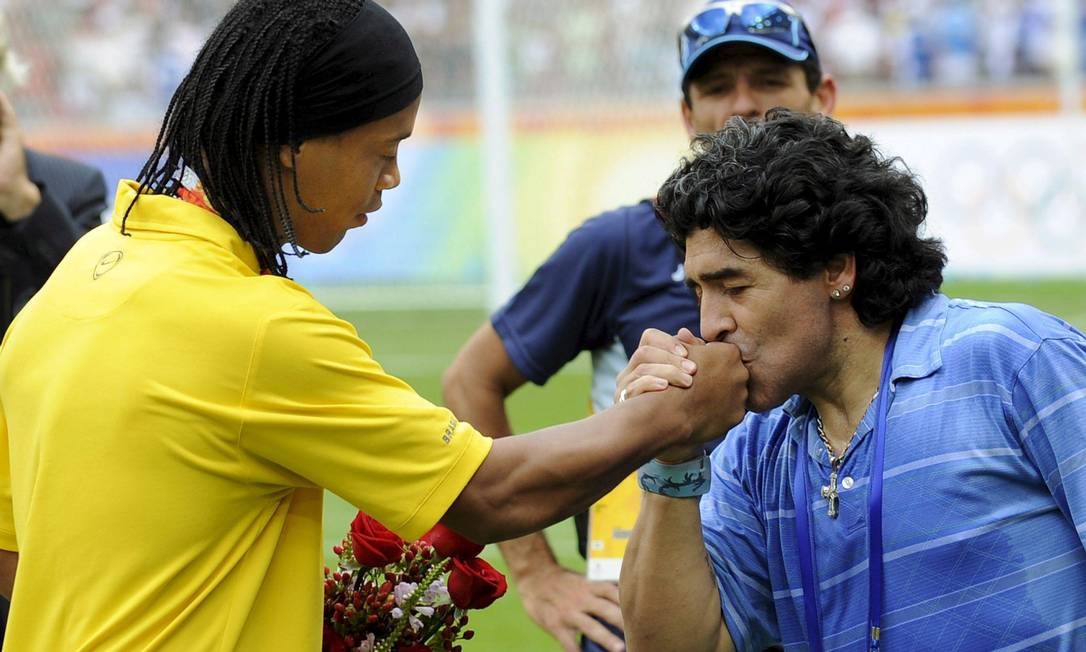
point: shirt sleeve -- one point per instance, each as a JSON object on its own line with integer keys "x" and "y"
{"x": 1049, "y": 410}
{"x": 319, "y": 406}
{"x": 564, "y": 308}
{"x": 735, "y": 539}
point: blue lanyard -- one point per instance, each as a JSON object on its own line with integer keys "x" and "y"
{"x": 804, "y": 532}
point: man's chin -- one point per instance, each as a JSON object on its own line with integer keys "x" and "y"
{"x": 760, "y": 403}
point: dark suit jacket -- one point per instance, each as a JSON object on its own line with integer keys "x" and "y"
{"x": 73, "y": 197}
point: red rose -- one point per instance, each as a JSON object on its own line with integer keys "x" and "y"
{"x": 374, "y": 545}
{"x": 448, "y": 543}
{"x": 474, "y": 584}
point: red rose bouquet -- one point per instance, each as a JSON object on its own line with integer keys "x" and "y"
{"x": 388, "y": 595}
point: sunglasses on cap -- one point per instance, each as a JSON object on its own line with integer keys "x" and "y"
{"x": 773, "y": 25}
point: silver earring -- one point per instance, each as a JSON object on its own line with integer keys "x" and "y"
{"x": 846, "y": 288}
{"x": 836, "y": 294}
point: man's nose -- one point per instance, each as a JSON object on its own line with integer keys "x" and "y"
{"x": 746, "y": 102}
{"x": 716, "y": 321}
{"x": 390, "y": 178}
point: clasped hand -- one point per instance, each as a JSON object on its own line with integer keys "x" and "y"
{"x": 711, "y": 375}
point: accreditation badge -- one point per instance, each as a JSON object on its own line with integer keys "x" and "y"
{"x": 610, "y": 522}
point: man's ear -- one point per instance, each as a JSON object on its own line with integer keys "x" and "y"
{"x": 688, "y": 118}
{"x": 826, "y": 95}
{"x": 288, "y": 154}
{"x": 841, "y": 271}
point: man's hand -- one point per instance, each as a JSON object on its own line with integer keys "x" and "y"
{"x": 718, "y": 398}
{"x": 566, "y": 604}
{"x": 660, "y": 360}
{"x": 712, "y": 374}
{"x": 19, "y": 196}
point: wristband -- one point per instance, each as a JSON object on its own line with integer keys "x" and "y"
{"x": 684, "y": 480}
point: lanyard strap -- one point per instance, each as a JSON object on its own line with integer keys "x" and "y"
{"x": 805, "y": 532}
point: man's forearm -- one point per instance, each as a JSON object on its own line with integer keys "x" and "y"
{"x": 669, "y": 596}
{"x": 539, "y": 478}
{"x": 480, "y": 400}
{"x": 530, "y": 481}
{"x": 527, "y": 554}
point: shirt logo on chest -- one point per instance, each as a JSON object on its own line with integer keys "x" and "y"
{"x": 107, "y": 263}
{"x": 679, "y": 275}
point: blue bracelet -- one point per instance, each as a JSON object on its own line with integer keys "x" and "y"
{"x": 684, "y": 480}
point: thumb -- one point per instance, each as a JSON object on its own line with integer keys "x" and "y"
{"x": 687, "y": 337}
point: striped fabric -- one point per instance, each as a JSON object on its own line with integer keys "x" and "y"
{"x": 984, "y": 501}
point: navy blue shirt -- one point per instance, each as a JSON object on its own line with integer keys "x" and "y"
{"x": 614, "y": 276}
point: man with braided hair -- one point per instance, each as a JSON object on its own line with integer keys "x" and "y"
{"x": 178, "y": 504}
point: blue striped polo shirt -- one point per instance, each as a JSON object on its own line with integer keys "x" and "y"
{"x": 984, "y": 502}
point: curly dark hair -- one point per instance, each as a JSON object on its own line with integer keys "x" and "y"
{"x": 802, "y": 190}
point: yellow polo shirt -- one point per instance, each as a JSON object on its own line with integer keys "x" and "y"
{"x": 170, "y": 419}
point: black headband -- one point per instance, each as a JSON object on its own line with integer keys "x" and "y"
{"x": 367, "y": 72}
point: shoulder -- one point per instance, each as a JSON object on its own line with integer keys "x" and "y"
{"x": 1001, "y": 335}
{"x": 282, "y": 299}
{"x": 294, "y": 331}
{"x": 598, "y": 248}
{"x": 623, "y": 217}
{"x": 616, "y": 228}
{"x": 273, "y": 311}
{"x": 1020, "y": 318}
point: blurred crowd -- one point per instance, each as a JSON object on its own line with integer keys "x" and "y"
{"x": 105, "y": 60}
{"x": 119, "y": 60}
{"x": 622, "y": 46}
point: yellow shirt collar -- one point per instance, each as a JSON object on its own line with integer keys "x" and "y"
{"x": 165, "y": 214}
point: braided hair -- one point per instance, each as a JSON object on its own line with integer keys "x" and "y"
{"x": 233, "y": 111}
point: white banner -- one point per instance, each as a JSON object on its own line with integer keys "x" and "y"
{"x": 1007, "y": 195}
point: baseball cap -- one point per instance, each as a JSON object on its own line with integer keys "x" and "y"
{"x": 771, "y": 24}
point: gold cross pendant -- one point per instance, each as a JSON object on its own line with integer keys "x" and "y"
{"x": 830, "y": 494}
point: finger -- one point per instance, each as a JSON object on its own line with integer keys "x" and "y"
{"x": 605, "y": 590}
{"x": 596, "y": 631}
{"x": 658, "y": 339}
{"x": 653, "y": 355}
{"x": 607, "y": 611}
{"x": 642, "y": 385}
{"x": 730, "y": 353}
{"x": 686, "y": 336}
{"x": 567, "y": 638}
{"x": 637, "y": 386}
{"x": 672, "y": 375}
{"x": 649, "y": 355}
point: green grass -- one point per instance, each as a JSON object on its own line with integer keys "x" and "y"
{"x": 418, "y": 345}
